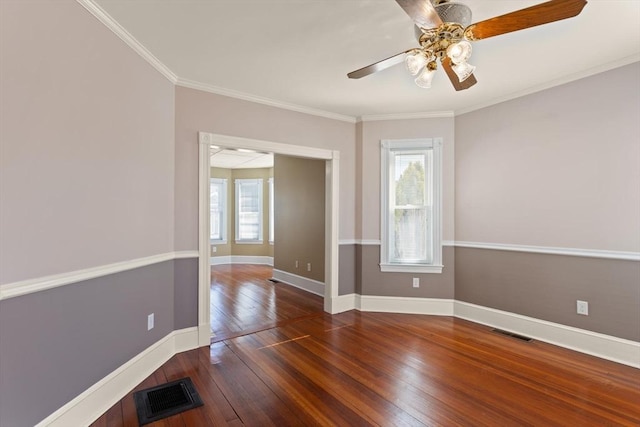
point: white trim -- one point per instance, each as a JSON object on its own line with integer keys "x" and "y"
{"x": 432, "y": 306}
{"x": 97, "y": 399}
{"x": 600, "y": 345}
{"x": 553, "y": 83}
{"x": 431, "y": 149}
{"x": 344, "y": 303}
{"x": 191, "y": 84}
{"x": 348, "y": 242}
{"x": 411, "y": 268}
{"x": 596, "y": 344}
{"x": 365, "y": 242}
{"x": 304, "y": 283}
{"x": 241, "y": 259}
{"x": 204, "y": 246}
{"x": 228, "y": 141}
{"x": 590, "y": 253}
{"x": 25, "y": 287}
{"x": 406, "y": 116}
{"x": 332, "y": 196}
{"x": 126, "y": 37}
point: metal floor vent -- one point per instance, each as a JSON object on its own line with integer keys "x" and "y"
{"x": 165, "y": 400}
{"x": 512, "y": 335}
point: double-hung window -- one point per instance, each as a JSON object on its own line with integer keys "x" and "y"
{"x": 218, "y": 210}
{"x": 271, "y": 212}
{"x": 248, "y": 210}
{"x": 411, "y": 205}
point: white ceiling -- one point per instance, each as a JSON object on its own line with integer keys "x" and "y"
{"x": 296, "y": 53}
{"x": 240, "y": 159}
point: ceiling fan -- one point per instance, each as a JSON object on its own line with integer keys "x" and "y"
{"x": 443, "y": 31}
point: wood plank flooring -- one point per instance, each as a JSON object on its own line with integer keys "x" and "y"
{"x": 243, "y": 301}
{"x": 361, "y": 369}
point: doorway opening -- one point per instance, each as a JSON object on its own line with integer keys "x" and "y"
{"x": 331, "y": 167}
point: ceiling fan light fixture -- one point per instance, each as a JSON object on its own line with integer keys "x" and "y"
{"x": 463, "y": 70}
{"x": 415, "y": 61}
{"x": 426, "y": 76}
{"x": 459, "y": 52}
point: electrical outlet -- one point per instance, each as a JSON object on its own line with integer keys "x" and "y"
{"x": 308, "y": 266}
{"x": 582, "y": 307}
{"x": 416, "y": 282}
{"x": 150, "y": 321}
{"x": 296, "y": 263}
{"x": 214, "y": 249}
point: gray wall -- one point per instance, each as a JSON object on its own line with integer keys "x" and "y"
{"x": 547, "y": 286}
{"x": 57, "y": 343}
{"x": 374, "y": 282}
{"x": 86, "y": 180}
{"x": 299, "y": 216}
{"x": 558, "y": 168}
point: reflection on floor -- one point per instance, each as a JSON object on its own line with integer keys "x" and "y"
{"x": 243, "y": 301}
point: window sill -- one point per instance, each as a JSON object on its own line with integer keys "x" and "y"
{"x": 218, "y": 242}
{"x": 411, "y": 268}
{"x": 249, "y": 242}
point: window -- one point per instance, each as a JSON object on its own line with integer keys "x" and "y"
{"x": 411, "y": 206}
{"x": 218, "y": 210}
{"x": 248, "y": 210}
{"x": 271, "y": 211}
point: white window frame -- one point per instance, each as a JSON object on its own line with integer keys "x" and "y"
{"x": 388, "y": 147}
{"x": 271, "y": 212}
{"x": 224, "y": 208}
{"x": 238, "y": 183}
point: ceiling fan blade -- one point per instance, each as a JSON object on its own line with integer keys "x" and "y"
{"x": 457, "y": 84}
{"x": 422, "y": 12}
{"x": 378, "y": 66}
{"x": 543, "y": 13}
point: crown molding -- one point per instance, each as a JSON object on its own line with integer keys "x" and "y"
{"x": 553, "y": 83}
{"x": 126, "y": 37}
{"x": 406, "y": 116}
{"x": 191, "y": 84}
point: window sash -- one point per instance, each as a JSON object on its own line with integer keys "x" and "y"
{"x": 218, "y": 210}
{"x": 248, "y": 210}
{"x": 411, "y": 205}
{"x": 271, "y": 211}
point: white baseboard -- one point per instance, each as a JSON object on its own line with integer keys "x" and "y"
{"x": 432, "y": 306}
{"x": 97, "y": 399}
{"x": 241, "y": 259}
{"x": 344, "y": 303}
{"x": 600, "y": 345}
{"x": 304, "y": 283}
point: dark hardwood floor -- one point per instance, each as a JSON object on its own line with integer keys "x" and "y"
{"x": 359, "y": 369}
{"x": 243, "y": 301}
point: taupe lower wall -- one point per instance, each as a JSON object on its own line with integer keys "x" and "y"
{"x": 547, "y": 286}
{"x": 55, "y": 344}
{"x": 299, "y": 216}
{"x": 371, "y": 281}
{"x": 347, "y": 269}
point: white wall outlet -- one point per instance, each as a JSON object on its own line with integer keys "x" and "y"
{"x": 296, "y": 263}
{"x": 308, "y": 266}
{"x": 214, "y": 249}
{"x": 150, "y": 321}
{"x": 582, "y": 307}
{"x": 416, "y": 282}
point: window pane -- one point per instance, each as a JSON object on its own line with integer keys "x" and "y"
{"x": 411, "y": 235}
{"x": 217, "y": 209}
{"x": 409, "y": 179}
{"x": 249, "y": 209}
